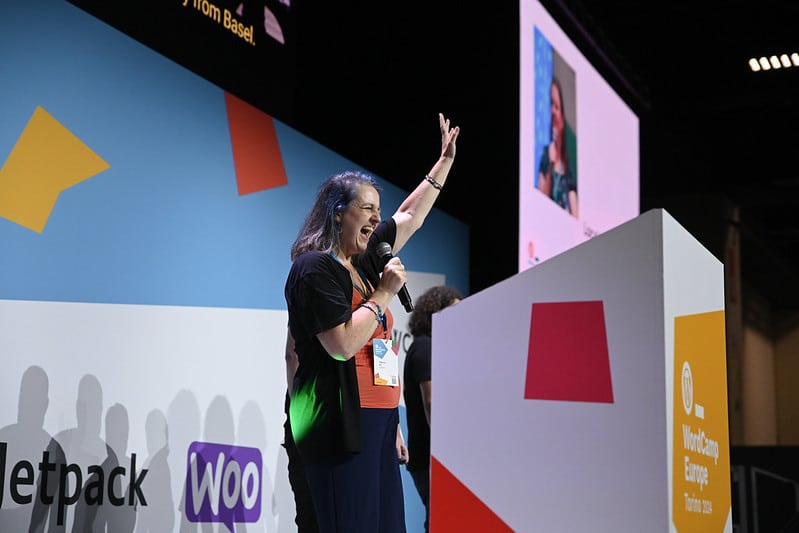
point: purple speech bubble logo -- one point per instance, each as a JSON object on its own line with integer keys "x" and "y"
{"x": 223, "y": 483}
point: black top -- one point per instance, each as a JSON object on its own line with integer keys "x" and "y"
{"x": 325, "y": 404}
{"x": 416, "y": 370}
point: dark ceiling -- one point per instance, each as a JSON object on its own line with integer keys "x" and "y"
{"x": 714, "y": 135}
{"x": 367, "y": 80}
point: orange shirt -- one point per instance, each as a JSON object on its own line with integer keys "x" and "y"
{"x": 374, "y": 396}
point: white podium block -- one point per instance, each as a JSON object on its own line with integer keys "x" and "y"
{"x": 587, "y": 393}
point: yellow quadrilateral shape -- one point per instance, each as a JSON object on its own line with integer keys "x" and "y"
{"x": 47, "y": 159}
{"x": 701, "y": 447}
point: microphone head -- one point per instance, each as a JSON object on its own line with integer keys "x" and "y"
{"x": 384, "y": 250}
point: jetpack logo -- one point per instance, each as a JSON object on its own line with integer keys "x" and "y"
{"x": 63, "y": 484}
{"x": 223, "y": 483}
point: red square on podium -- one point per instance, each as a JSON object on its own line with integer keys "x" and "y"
{"x": 567, "y": 355}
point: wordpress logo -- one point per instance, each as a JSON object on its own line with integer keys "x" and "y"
{"x": 223, "y": 483}
{"x": 687, "y": 388}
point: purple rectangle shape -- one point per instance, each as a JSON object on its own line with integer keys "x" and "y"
{"x": 223, "y": 483}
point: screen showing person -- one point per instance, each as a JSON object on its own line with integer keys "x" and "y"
{"x": 555, "y": 126}
{"x": 579, "y": 143}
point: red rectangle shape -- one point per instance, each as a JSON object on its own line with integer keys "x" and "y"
{"x": 567, "y": 356}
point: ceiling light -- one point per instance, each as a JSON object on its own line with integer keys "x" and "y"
{"x": 786, "y": 60}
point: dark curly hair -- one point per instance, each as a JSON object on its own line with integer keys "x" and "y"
{"x": 433, "y": 300}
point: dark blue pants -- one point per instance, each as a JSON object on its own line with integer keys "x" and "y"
{"x": 362, "y": 493}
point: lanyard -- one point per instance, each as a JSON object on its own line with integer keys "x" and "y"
{"x": 361, "y": 289}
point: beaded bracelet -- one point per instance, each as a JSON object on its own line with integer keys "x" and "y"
{"x": 380, "y": 312}
{"x": 433, "y": 182}
{"x": 365, "y": 305}
{"x": 377, "y": 310}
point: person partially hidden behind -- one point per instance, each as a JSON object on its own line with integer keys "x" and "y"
{"x": 304, "y": 514}
{"x": 417, "y": 386}
{"x": 344, "y": 417}
{"x": 555, "y": 176}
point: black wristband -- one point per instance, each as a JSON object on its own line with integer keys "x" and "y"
{"x": 434, "y": 183}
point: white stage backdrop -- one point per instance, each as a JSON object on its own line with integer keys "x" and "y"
{"x": 155, "y": 384}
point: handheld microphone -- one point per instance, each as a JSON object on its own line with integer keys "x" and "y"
{"x": 384, "y": 251}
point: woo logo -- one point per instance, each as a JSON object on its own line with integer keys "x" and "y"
{"x": 223, "y": 483}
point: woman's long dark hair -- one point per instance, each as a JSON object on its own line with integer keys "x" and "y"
{"x": 433, "y": 300}
{"x": 320, "y": 231}
{"x": 564, "y": 154}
